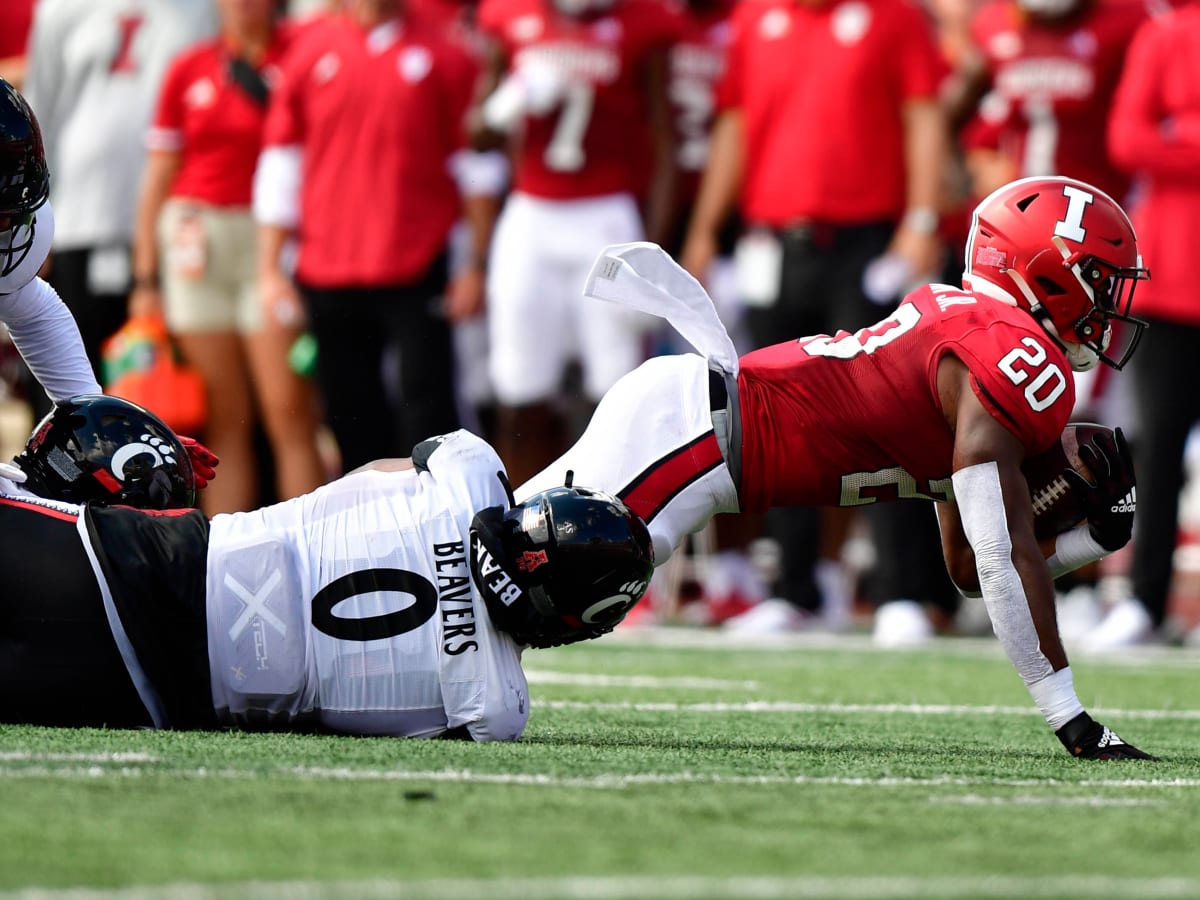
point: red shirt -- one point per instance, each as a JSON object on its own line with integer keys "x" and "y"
{"x": 1154, "y": 132}
{"x": 213, "y": 124}
{"x": 1052, "y": 85}
{"x": 597, "y": 140}
{"x": 821, "y": 90}
{"x": 377, "y": 117}
{"x": 15, "y": 24}
{"x": 697, "y": 61}
{"x": 880, "y": 386}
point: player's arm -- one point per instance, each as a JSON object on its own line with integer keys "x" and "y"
{"x": 495, "y": 111}
{"x": 161, "y": 168}
{"x": 394, "y": 464}
{"x": 996, "y": 518}
{"x": 47, "y": 337}
{"x": 660, "y": 204}
{"x": 1109, "y": 499}
{"x": 719, "y": 187}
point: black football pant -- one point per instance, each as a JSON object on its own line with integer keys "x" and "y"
{"x": 385, "y": 366}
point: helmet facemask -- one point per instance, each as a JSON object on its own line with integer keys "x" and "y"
{"x": 15, "y": 242}
{"x": 1078, "y": 298}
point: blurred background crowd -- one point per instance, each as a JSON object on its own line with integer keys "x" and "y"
{"x": 361, "y": 222}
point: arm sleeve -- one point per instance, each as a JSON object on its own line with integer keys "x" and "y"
{"x": 45, "y": 334}
{"x": 981, "y": 505}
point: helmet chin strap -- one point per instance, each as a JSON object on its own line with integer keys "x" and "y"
{"x": 1081, "y": 357}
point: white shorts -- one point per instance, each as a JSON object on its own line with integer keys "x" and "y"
{"x": 538, "y": 318}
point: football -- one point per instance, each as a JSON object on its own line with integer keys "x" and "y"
{"x": 1057, "y": 506}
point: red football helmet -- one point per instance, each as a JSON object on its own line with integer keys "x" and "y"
{"x": 1065, "y": 252}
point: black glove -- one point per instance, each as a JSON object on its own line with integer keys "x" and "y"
{"x": 1111, "y": 499}
{"x": 1086, "y": 738}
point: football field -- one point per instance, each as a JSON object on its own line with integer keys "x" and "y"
{"x": 672, "y": 763}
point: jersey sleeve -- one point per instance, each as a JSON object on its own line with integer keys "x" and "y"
{"x": 1022, "y": 380}
{"x": 166, "y": 129}
{"x": 729, "y": 86}
{"x": 920, "y": 66}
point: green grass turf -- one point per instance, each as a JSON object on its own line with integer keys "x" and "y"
{"x": 681, "y": 768}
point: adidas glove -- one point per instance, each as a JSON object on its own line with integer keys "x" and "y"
{"x": 1111, "y": 499}
{"x": 1086, "y": 738}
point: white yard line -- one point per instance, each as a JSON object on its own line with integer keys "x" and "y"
{"x": 587, "y": 679}
{"x": 914, "y": 709}
{"x": 607, "y": 781}
{"x": 665, "y": 887}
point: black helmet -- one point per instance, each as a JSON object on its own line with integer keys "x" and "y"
{"x": 102, "y": 448}
{"x": 564, "y": 566}
{"x": 24, "y": 176}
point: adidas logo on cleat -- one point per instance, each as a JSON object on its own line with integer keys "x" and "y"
{"x": 1109, "y": 739}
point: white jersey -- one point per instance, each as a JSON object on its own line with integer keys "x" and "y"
{"x": 42, "y": 328}
{"x": 355, "y": 605}
{"x": 95, "y": 67}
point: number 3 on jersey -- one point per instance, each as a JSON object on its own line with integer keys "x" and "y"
{"x": 1027, "y": 366}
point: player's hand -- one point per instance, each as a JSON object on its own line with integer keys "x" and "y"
{"x": 1111, "y": 498}
{"x": 1086, "y": 738}
{"x": 204, "y": 462}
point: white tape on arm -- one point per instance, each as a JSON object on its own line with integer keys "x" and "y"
{"x": 981, "y": 506}
{"x": 1073, "y": 549}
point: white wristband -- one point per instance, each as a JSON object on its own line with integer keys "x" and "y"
{"x": 1055, "y": 697}
{"x": 1073, "y": 549}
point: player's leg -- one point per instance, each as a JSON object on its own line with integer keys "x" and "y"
{"x": 531, "y": 336}
{"x": 421, "y": 350}
{"x": 612, "y": 338}
{"x": 350, "y": 341}
{"x": 1167, "y": 415}
{"x": 651, "y": 441}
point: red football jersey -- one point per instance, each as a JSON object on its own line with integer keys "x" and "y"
{"x": 377, "y": 116}
{"x": 697, "y": 61}
{"x": 879, "y": 385}
{"x": 213, "y": 124}
{"x": 1052, "y": 86}
{"x": 821, "y": 88}
{"x": 596, "y": 140}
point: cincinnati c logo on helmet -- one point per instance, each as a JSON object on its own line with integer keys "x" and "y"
{"x": 161, "y": 451}
{"x": 599, "y": 611}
